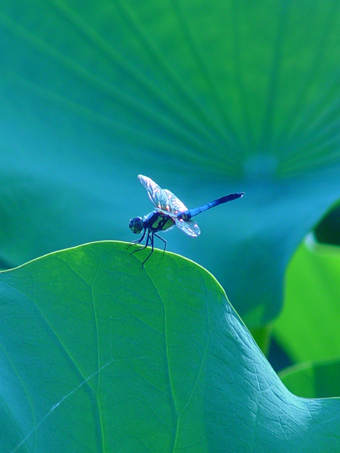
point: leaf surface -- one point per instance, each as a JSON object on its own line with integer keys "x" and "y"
{"x": 100, "y": 354}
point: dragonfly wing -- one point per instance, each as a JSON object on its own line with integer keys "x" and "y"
{"x": 153, "y": 189}
{"x": 174, "y": 204}
{"x": 189, "y": 227}
{"x": 169, "y": 205}
{"x": 167, "y": 213}
{"x": 163, "y": 199}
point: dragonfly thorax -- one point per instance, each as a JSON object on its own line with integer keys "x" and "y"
{"x": 156, "y": 221}
{"x": 136, "y": 225}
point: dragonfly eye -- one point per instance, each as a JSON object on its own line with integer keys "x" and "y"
{"x": 136, "y": 225}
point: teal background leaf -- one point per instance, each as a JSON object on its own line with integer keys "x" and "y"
{"x": 203, "y": 98}
{"x": 98, "y": 353}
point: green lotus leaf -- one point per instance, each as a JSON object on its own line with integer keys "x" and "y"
{"x": 313, "y": 379}
{"x": 308, "y": 328}
{"x": 98, "y": 353}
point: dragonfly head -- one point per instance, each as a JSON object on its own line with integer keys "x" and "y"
{"x": 136, "y": 225}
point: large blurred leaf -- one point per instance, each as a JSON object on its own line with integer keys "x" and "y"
{"x": 98, "y": 354}
{"x": 205, "y": 98}
{"x": 313, "y": 379}
{"x": 308, "y": 328}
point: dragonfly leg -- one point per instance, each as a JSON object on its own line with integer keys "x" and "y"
{"x": 149, "y": 240}
{"x": 150, "y": 236}
{"x": 162, "y": 239}
{"x": 146, "y": 243}
{"x": 137, "y": 241}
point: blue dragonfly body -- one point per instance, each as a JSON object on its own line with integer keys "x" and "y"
{"x": 169, "y": 211}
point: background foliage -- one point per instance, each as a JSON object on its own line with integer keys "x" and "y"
{"x": 204, "y": 99}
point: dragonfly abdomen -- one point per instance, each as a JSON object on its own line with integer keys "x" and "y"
{"x": 187, "y": 215}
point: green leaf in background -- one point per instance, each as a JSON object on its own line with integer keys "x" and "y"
{"x": 313, "y": 380}
{"x": 308, "y": 328}
{"x": 206, "y": 98}
{"x": 100, "y": 354}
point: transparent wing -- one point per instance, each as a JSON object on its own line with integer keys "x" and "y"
{"x": 151, "y": 187}
{"x": 163, "y": 199}
{"x": 168, "y": 204}
{"x": 189, "y": 227}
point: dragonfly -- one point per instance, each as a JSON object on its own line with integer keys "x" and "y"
{"x": 169, "y": 211}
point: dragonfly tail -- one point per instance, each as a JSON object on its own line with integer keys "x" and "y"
{"x": 187, "y": 215}
{"x": 230, "y": 197}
